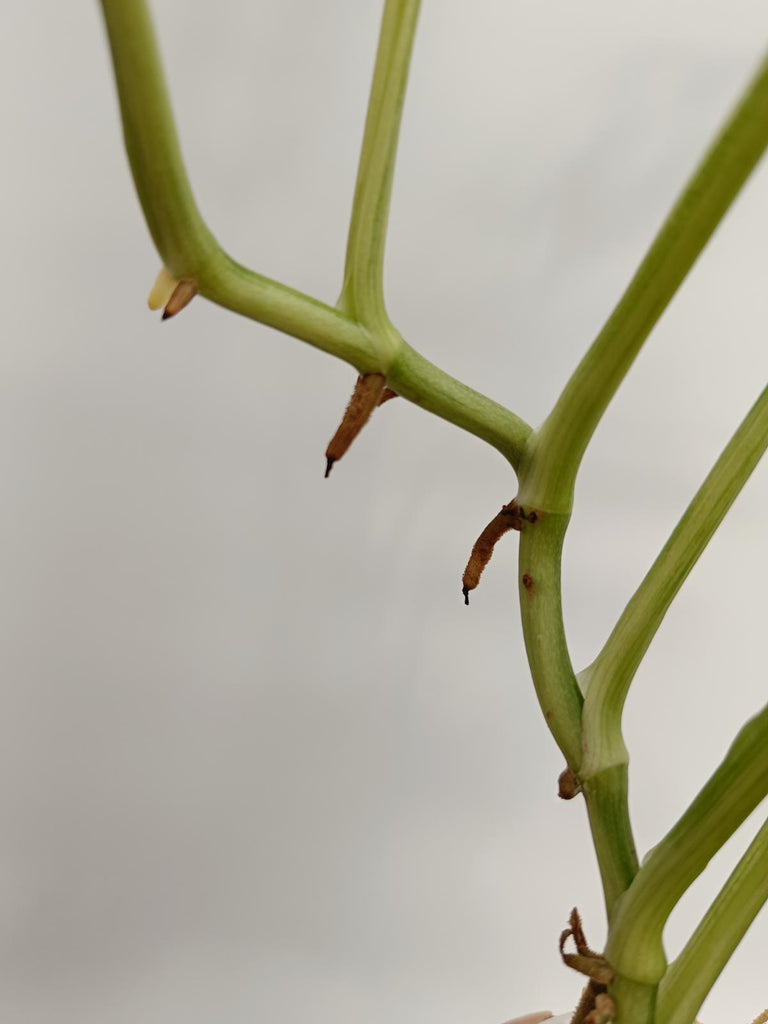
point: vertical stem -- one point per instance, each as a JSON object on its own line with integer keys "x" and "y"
{"x": 636, "y": 1003}
{"x": 541, "y": 545}
{"x": 605, "y": 795}
{"x": 362, "y": 294}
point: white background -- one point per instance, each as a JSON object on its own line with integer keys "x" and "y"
{"x": 257, "y": 760}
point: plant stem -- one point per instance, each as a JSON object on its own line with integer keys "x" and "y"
{"x": 604, "y": 767}
{"x": 635, "y": 1002}
{"x": 362, "y": 295}
{"x": 564, "y": 436}
{"x": 614, "y": 668}
{"x": 635, "y": 949}
{"x": 693, "y": 973}
{"x": 189, "y": 250}
{"x": 605, "y": 794}
{"x": 421, "y": 382}
{"x": 185, "y": 244}
{"x": 541, "y": 545}
{"x": 179, "y": 232}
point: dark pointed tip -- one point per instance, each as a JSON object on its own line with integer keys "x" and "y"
{"x": 465, "y": 592}
{"x": 328, "y": 466}
{"x": 166, "y": 315}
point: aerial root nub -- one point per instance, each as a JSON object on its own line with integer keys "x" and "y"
{"x": 182, "y": 295}
{"x": 369, "y": 389}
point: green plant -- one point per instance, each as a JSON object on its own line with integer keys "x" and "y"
{"x": 583, "y": 711}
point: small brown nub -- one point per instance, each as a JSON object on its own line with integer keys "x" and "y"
{"x": 365, "y": 398}
{"x": 182, "y": 295}
{"x": 386, "y": 394}
{"x": 568, "y": 785}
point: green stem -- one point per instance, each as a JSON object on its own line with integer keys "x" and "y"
{"x": 541, "y": 545}
{"x": 363, "y": 292}
{"x": 635, "y": 1003}
{"x": 611, "y": 674}
{"x": 739, "y": 784}
{"x": 604, "y": 767}
{"x": 183, "y": 240}
{"x": 605, "y": 794}
{"x": 421, "y": 382}
{"x": 189, "y": 250}
{"x": 691, "y": 976}
{"x": 713, "y": 187}
{"x": 179, "y": 232}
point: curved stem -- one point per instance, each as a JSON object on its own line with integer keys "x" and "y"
{"x": 421, "y": 382}
{"x": 738, "y": 785}
{"x": 692, "y": 974}
{"x": 180, "y": 235}
{"x": 713, "y": 187}
{"x": 362, "y": 295}
{"x": 183, "y": 240}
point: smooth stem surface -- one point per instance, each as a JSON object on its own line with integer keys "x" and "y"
{"x": 693, "y": 973}
{"x": 604, "y": 766}
{"x": 363, "y": 292}
{"x": 189, "y": 251}
{"x": 635, "y": 1002}
{"x": 421, "y": 382}
{"x": 610, "y": 675}
{"x": 564, "y": 436}
{"x": 738, "y": 785}
{"x": 541, "y": 545}
{"x": 605, "y": 795}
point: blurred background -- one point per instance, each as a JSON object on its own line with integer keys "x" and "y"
{"x": 257, "y": 760}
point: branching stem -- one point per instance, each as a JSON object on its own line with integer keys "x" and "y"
{"x": 693, "y": 973}
{"x": 190, "y": 252}
{"x": 734, "y": 790}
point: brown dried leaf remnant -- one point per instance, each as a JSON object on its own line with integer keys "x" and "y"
{"x": 568, "y": 784}
{"x": 597, "y": 969}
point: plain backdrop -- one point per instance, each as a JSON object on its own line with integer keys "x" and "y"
{"x": 257, "y": 760}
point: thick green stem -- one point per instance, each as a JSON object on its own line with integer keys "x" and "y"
{"x": 693, "y": 973}
{"x": 635, "y": 1002}
{"x": 739, "y": 784}
{"x": 421, "y": 382}
{"x": 541, "y": 544}
{"x": 564, "y": 436}
{"x": 605, "y": 794}
{"x": 362, "y": 295}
